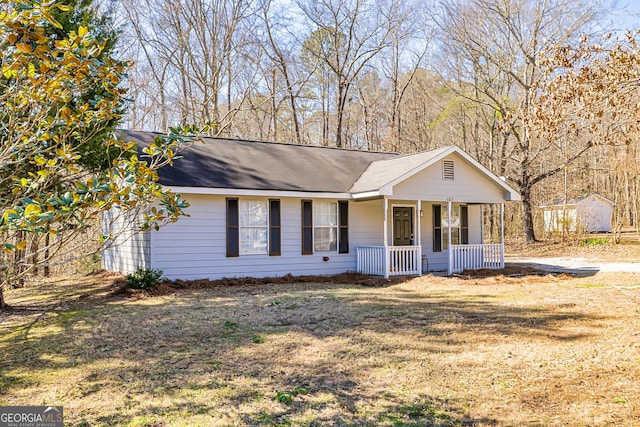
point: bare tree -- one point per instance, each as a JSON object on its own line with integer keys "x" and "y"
{"x": 279, "y": 45}
{"x": 195, "y": 53}
{"x": 347, "y": 35}
{"x": 496, "y": 45}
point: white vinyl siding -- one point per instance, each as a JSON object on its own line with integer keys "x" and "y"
{"x": 128, "y": 248}
{"x": 195, "y": 246}
{"x": 470, "y": 185}
{"x": 475, "y": 224}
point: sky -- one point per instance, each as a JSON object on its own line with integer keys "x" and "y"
{"x": 625, "y": 14}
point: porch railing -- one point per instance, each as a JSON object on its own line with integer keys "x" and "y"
{"x": 395, "y": 261}
{"x": 475, "y": 257}
{"x": 370, "y": 260}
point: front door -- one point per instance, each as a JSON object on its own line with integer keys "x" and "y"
{"x": 402, "y": 226}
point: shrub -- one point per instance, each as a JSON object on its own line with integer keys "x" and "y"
{"x": 144, "y": 278}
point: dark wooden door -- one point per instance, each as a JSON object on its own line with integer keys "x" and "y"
{"x": 402, "y": 226}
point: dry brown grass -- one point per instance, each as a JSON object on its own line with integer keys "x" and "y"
{"x": 470, "y": 350}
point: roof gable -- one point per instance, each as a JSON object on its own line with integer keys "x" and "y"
{"x": 383, "y": 175}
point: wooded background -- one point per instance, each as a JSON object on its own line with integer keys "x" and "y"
{"x": 543, "y": 92}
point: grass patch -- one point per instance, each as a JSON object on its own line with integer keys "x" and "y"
{"x": 67, "y": 316}
{"x": 591, "y": 285}
{"x": 595, "y": 241}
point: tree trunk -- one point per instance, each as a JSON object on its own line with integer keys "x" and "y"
{"x": 527, "y": 215}
{"x": 340, "y": 103}
{"x": 3, "y": 305}
{"x": 46, "y": 253}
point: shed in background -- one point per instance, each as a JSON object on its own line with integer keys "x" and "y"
{"x": 592, "y": 213}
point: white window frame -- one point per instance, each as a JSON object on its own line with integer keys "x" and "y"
{"x": 444, "y": 225}
{"x": 333, "y": 227}
{"x": 258, "y": 246}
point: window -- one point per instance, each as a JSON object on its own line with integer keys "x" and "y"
{"x": 455, "y": 226}
{"x": 459, "y": 226}
{"x": 448, "y": 171}
{"x": 253, "y": 227}
{"x": 325, "y": 227}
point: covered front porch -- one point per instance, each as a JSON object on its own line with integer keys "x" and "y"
{"x": 421, "y": 237}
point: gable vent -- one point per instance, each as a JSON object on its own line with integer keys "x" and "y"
{"x": 447, "y": 169}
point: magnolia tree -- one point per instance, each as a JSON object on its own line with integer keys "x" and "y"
{"x": 47, "y": 198}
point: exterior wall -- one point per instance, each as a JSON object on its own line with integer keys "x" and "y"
{"x": 475, "y": 225}
{"x": 558, "y": 219}
{"x": 594, "y": 214}
{"x": 129, "y": 248}
{"x": 366, "y": 223}
{"x": 469, "y": 185}
{"x": 195, "y": 246}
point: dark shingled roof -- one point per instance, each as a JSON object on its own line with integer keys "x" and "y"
{"x": 253, "y": 165}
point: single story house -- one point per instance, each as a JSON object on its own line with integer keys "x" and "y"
{"x": 590, "y": 213}
{"x": 263, "y": 209}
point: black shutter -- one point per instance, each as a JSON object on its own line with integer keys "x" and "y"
{"x": 464, "y": 223}
{"x": 274, "y": 227}
{"x": 437, "y": 228}
{"x": 233, "y": 237}
{"x": 343, "y": 223}
{"x": 307, "y": 227}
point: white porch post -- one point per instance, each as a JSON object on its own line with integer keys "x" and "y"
{"x": 386, "y": 238}
{"x": 419, "y": 232}
{"x": 502, "y": 235}
{"x": 450, "y": 267}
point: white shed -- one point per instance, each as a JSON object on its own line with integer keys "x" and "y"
{"x": 590, "y": 213}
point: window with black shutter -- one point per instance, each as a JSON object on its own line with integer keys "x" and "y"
{"x": 437, "y": 228}
{"x": 233, "y": 237}
{"x": 274, "y": 227}
{"x": 464, "y": 225}
{"x": 307, "y": 227}
{"x": 343, "y": 220}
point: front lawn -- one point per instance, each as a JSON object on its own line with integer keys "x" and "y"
{"x": 530, "y": 350}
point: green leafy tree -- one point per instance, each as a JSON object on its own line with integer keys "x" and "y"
{"x": 47, "y": 123}
{"x": 73, "y": 15}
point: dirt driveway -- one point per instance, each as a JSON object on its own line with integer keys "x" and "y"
{"x": 573, "y": 265}
{"x": 573, "y": 259}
